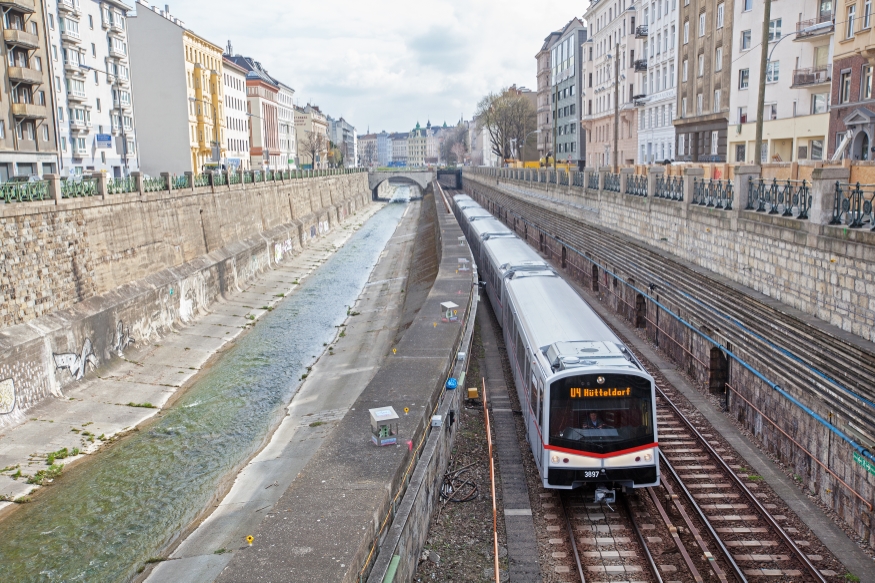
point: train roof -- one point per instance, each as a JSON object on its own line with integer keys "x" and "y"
{"x": 489, "y": 226}
{"x": 461, "y": 197}
{"x": 567, "y": 331}
{"x": 478, "y": 211}
{"x": 509, "y": 252}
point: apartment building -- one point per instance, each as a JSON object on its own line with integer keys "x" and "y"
{"x": 288, "y": 139}
{"x": 367, "y": 150}
{"x": 95, "y": 114}
{"x": 798, "y": 80}
{"x": 28, "y": 134}
{"x": 384, "y": 149}
{"x": 852, "y": 108}
{"x": 656, "y": 68}
{"x": 416, "y": 146}
{"x": 236, "y": 119}
{"x": 544, "y": 99}
{"x": 607, "y": 66}
{"x": 179, "y": 87}
{"x": 399, "y": 148}
{"x": 704, "y": 79}
{"x": 311, "y": 127}
{"x": 342, "y": 133}
{"x": 566, "y": 90}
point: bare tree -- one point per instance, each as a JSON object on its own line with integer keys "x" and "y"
{"x": 314, "y": 144}
{"x": 369, "y": 154}
{"x": 507, "y": 117}
{"x": 454, "y": 148}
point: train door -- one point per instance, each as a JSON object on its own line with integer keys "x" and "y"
{"x": 537, "y": 413}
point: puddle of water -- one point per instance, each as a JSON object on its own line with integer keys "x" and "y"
{"x": 101, "y": 522}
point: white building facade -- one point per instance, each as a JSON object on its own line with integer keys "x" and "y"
{"x": 236, "y": 121}
{"x": 655, "y": 65}
{"x": 92, "y": 74}
{"x": 286, "y": 119}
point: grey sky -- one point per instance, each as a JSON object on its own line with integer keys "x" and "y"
{"x": 385, "y": 64}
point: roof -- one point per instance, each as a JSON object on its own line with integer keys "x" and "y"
{"x": 255, "y": 71}
{"x": 511, "y": 251}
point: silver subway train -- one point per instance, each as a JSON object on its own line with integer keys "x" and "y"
{"x": 588, "y": 404}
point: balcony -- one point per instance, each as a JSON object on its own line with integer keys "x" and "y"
{"x": 25, "y": 6}
{"x": 22, "y": 39}
{"x": 25, "y": 75}
{"x": 812, "y": 76}
{"x": 814, "y": 28}
{"x": 125, "y": 105}
{"x": 641, "y": 31}
{"x": 75, "y": 68}
{"x": 640, "y": 64}
{"x": 76, "y": 95}
{"x": 68, "y": 7}
{"x": 78, "y": 125}
{"x": 117, "y": 53}
{"x": 71, "y": 37}
{"x": 29, "y": 111}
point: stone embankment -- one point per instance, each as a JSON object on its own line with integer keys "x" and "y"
{"x": 86, "y": 277}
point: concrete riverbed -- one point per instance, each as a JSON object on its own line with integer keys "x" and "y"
{"x": 102, "y": 520}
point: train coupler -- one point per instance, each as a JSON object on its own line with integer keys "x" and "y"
{"x": 605, "y": 496}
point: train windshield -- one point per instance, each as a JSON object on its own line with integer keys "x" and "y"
{"x": 601, "y": 413}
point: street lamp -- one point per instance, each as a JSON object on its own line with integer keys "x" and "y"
{"x": 121, "y": 116}
{"x": 216, "y": 145}
{"x": 765, "y": 59}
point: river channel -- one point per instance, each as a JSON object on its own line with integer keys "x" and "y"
{"x": 100, "y": 522}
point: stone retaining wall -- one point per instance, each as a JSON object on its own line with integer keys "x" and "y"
{"x": 86, "y": 278}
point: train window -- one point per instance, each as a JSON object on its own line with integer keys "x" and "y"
{"x": 613, "y": 415}
{"x": 541, "y": 403}
{"x": 533, "y": 395}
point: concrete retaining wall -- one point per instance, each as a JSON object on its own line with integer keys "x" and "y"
{"x": 539, "y": 219}
{"x": 87, "y": 278}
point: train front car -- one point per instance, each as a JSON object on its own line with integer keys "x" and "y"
{"x": 600, "y": 422}
{"x": 588, "y": 405}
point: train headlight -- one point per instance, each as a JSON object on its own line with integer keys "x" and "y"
{"x": 554, "y": 459}
{"x": 648, "y": 457}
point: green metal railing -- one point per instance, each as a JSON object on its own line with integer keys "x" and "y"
{"x": 247, "y": 177}
{"x": 234, "y": 178}
{"x": 156, "y": 184}
{"x": 220, "y": 179}
{"x": 202, "y": 180}
{"x": 24, "y": 191}
{"x": 121, "y": 185}
{"x": 180, "y": 182}
{"x": 78, "y": 187}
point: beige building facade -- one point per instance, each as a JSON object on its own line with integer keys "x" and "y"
{"x": 203, "y": 68}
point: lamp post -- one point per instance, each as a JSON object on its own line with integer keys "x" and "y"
{"x": 217, "y": 152}
{"x": 617, "y": 109}
{"x": 121, "y": 117}
{"x": 765, "y": 59}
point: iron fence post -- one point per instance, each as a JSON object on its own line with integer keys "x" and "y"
{"x": 691, "y": 175}
{"x": 137, "y": 177}
{"x": 745, "y": 176}
{"x": 166, "y": 176}
{"x": 824, "y": 199}
{"x": 54, "y": 181}
{"x": 102, "y": 188}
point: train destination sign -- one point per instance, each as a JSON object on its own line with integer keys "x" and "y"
{"x": 601, "y": 392}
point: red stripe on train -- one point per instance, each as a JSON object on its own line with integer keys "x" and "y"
{"x": 601, "y": 455}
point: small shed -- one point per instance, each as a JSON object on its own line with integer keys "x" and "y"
{"x": 449, "y": 312}
{"x": 384, "y": 426}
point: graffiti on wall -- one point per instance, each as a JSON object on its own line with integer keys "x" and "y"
{"x": 280, "y": 249}
{"x": 76, "y": 363}
{"x": 193, "y": 294}
{"x": 7, "y": 397}
{"x": 123, "y": 338}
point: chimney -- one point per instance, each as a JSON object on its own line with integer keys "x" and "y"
{"x": 167, "y": 9}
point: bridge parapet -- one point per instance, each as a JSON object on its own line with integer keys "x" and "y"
{"x": 421, "y": 178}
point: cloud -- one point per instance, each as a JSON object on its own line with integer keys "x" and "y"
{"x": 386, "y": 64}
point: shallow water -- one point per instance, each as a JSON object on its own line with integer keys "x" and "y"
{"x": 102, "y": 521}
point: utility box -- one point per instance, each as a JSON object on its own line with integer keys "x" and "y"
{"x": 464, "y": 264}
{"x": 473, "y": 393}
{"x": 449, "y": 312}
{"x": 384, "y": 426}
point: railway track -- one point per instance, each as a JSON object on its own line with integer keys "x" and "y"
{"x": 810, "y": 362}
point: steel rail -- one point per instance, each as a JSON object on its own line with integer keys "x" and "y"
{"x": 572, "y": 540}
{"x": 765, "y": 514}
{"x": 642, "y": 541}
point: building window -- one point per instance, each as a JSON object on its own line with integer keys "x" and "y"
{"x": 745, "y": 40}
{"x": 720, "y": 15}
{"x": 60, "y": 114}
{"x": 739, "y": 152}
{"x": 687, "y": 32}
{"x": 715, "y": 139}
{"x": 90, "y": 22}
{"x": 742, "y": 114}
{"x": 743, "y": 78}
{"x": 702, "y": 24}
{"x": 867, "y": 13}
{"x": 845, "y": 87}
{"x": 818, "y": 103}
{"x": 770, "y": 111}
{"x": 684, "y": 107}
{"x": 681, "y": 144}
{"x": 700, "y": 101}
{"x": 773, "y": 71}
{"x": 701, "y": 65}
{"x": 866, "y": 85}
{"x": 775, "y": 30}
{"x": 817, "y": 149}
{"x": 685, "y": 73}
{"x": 718, "y": 58}
{"x": 748, "y": 5}
{"x": 849, "y": 22}
{"x": 45, "y": 133}
{"x": 716, "y": 101}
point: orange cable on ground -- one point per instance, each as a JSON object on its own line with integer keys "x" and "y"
{"x": 492, "y": 479}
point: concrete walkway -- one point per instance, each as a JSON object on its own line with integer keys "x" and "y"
{"x": 331, "y": 388}
{"x": 153, "y": 372}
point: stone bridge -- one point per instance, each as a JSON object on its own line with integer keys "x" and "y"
{"x": 420, "y": 178}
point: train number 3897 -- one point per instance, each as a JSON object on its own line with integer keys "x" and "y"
{"x": 594, "y": 474}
